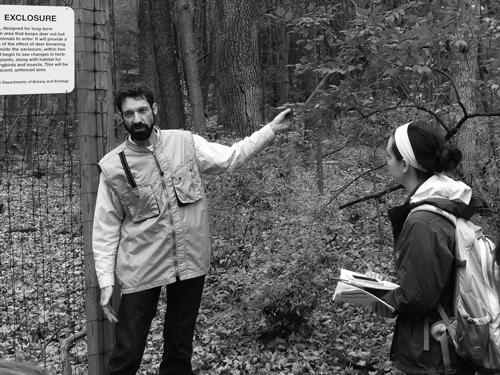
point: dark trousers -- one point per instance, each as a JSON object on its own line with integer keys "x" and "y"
{"x": 135, "y": 315}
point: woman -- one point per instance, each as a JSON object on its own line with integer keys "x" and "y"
{"x": 424, "y": 247}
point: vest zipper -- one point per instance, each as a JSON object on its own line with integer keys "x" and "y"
{"x": 170, "y": 217}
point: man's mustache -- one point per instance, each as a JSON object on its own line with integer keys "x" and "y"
{"x": 139, "y": 125}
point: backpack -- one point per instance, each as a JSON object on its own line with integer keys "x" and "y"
{"x": 475, "y": 328}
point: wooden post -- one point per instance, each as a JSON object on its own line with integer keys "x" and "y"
{"x": 95, "y": 112}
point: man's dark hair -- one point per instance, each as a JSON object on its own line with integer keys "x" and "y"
{"x": 136, "y": 91}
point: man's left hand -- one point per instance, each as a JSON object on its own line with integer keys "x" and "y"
{"x": 282, "y": 121}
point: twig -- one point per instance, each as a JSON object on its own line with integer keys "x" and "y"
{"x": 347, "y": 185}
{"x": 66, "y": 344}
{"x": 17, "y": 119}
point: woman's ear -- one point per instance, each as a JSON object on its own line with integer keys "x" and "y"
{"x": 406, "y": 166}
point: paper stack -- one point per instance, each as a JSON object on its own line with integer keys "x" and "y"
{"x": 354, "y": 287}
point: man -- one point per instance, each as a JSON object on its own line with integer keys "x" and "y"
{"x": 151, "y": 228}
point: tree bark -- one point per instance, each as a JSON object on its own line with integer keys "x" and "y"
{"x": 283, "y": 52}
{"x": 238, "y": 76}
{"x": 190, "y": 58}
{"x": 204, "y": 28}
{"x": 147, "y": 66}
{"x": 465, "y": 70}
{"x": 158, "y": 62}
{"x": 166, "y": 59}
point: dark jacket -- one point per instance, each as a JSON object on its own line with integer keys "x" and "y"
{"x": 424, "y": 262}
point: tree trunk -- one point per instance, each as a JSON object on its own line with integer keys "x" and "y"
{"x": 313, "y": 123}
{"x": 284, "y": 49}
{"x": 190, "y": 58}
{"x": 158, "y": 62}
{"x": 204, "y": 28}
{"x": 238, "y": 76}
{"x": 465, "y": 70}
{"x": 148, "y": 73}
{"x": 166, "y": 62}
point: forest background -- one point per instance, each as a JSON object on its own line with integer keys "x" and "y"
{"x": 283, "y": 224}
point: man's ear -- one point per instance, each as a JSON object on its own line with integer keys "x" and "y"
{"x": 155, "y": 109}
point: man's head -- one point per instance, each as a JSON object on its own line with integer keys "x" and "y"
{"x": 136, "y": 91}
{"x": 138, "y": 109}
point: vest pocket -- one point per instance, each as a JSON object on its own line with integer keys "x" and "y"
{"x": 141, "y": 202}
{"x": 187, "y": 186}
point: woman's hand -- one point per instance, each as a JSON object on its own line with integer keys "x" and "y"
{"x": 382, "y": 310}
{"x": 375, "y": 275}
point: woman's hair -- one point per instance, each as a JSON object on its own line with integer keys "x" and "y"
{"x": 136, "y": 91}
{"x": 430, "y": 149}
{"x": 496, "y": 253}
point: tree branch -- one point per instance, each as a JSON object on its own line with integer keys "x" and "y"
{"x": 66, "y": 345}
{"x": 464, "y": 110}
{"x": 373, "y": 196}
{"x": 346, "y": 186}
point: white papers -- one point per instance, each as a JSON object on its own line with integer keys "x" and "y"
{"x": 357, "y": 288}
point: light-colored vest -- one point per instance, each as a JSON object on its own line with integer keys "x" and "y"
{"x": 164, "y": 233}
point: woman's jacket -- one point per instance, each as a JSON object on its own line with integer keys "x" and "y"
{"x": 424, "y": 263}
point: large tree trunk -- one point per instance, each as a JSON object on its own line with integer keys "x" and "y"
{"x": 158, "y": 61}
{"x": 166, "y": 57}
{"x": 190, "y": 58}
{"x": 147, "y": 65}
{"x": 237, "y": 68}
{"x": 465, "y": 70}
{"x": 204, "y": 29}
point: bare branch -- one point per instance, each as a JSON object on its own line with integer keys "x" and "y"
{"x": 373, "y": 196}
{"x": 419, "y": 107}
{"x": 347, "y": 185}
{"x": 455, "y": 89}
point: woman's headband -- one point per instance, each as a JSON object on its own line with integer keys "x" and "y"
{"x": 404, "y": 146}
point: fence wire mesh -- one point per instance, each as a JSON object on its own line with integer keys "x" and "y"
{"x": 41, "y": 259}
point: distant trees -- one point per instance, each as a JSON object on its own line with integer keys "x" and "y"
{"x": 437, "y": 58}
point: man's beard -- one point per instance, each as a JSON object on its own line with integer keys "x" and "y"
{"x": 141, "y": 131}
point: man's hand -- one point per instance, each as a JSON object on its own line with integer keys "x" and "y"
{"x": 282, "y": 121}
{"x": 109, "y": 312}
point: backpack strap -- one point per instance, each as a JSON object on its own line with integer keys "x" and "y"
{"x": 426, "y": 334}
{"x": 443, "y": 339}
{"x": 437, "y": 210}
{"x": 446, "y": 320}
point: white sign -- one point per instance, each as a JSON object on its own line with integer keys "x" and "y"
{"x": 37, "y": 49}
